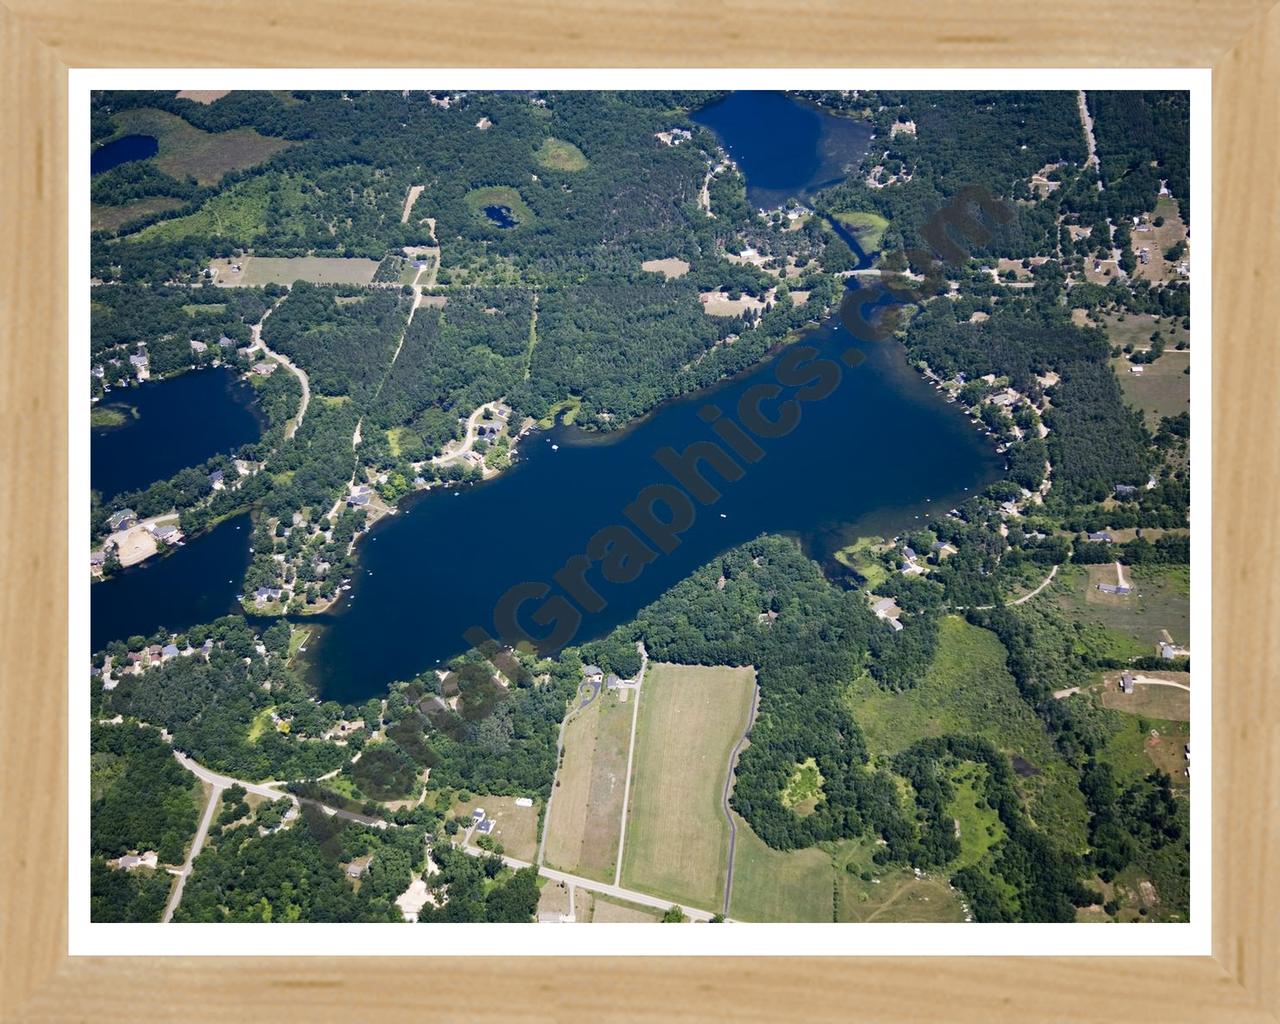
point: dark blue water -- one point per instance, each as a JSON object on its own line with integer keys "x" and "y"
{"x": 501, "y": 215}
{"x": 123, "y": 150}
{"x": 180, "y": 422}
{"x": 865, "y": 458}
{"x": 193, "y": 584}
{"x": 785, "y": 148}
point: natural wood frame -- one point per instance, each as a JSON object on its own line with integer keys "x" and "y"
{"x": 40, "y": 39}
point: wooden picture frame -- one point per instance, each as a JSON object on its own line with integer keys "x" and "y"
{"x": 41, "y": 39}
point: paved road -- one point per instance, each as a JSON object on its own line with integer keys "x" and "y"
{"x": 728, "y": 788}
{"x": 468, "y": 442}
{"x": 631, "y": 749}
{"x": 616, "y": 891}
{"x": 197, "y": 844}
{"x": 270, "y": 790}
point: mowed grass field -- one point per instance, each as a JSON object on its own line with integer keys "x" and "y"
{"x": 779, "y": 885}
{"x": 186, "y": 151}
{"x": 516, "y": 828}
{"x": 691, "y": 717}
{"x": 586, "y": 810}
{"x": 1162, "y": 389}
{"x": 259, "y": 270}
{"x": 559, "y": 155}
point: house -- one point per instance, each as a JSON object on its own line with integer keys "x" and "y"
{"x": 909, "y": 554}
{"x": 225, "y": 342}
{"x": 170, "y": 534}
{"x": 486, "y": 826}
{"x": 1124, "y": 490}
{"x": 592, "y": 673}
{"x": 264, "y": 594}
{"x": 894, "y": 624}
{"x": 358, "y": 500}
{"x": 97, "y": 558}
{"x": 122, "y": 520}
{"x": 1137, "y": 369}
{"x": 359, "y": 867}
{"x": 216, "y": 480}
{"x": 198, "y": 346}
{"x": 169, "y": 652}
{"x": 1170, "y": 651}
{"x": 612, "y": 682}
{"x": 1114, "y": 588}
{"x": 1101, "y": 537}
{"x": 133, "y": 861}
{"x": 477, "y": 815}
{"x": 1126, "y": 682}
{"x": 265, "y": 368}
{"x": 99, "y": 371}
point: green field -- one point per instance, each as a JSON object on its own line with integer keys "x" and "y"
{"x": 867, "y": 228}
{"x": 498, "y": 195}
{"x": 559, "y": 155}
{"x": 803, "y": 791}
{"x": 185, "y": 151}
{"x": 1144, "y": 744}
{"x": 968, "y": 691}
{"x": 259, "y": 270}
{"x": 779, "y": 885}
{"x": 863, "y": 557}
{"x": 1127, "y": 625}
{"x": 239, "y": 213}
{"x": 586, "y": 812}
{"x": 1163, "y": 389}
{"x": 691, "y": 717}
{"x": 979, "y": 826}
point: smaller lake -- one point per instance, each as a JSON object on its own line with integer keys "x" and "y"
{"x": 123, "y": 150}
{"x": 170, "y": 425}
{"x": 196, "y": 583}
{"x": 501, "y": 216}
{"x": 784, "y": 147}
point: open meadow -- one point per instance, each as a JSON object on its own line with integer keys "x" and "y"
{"x": 1132, "y": 623}
{"x": 586, "y": 811}
{"x": 677, "y": 844}
{"x": 516, "y": 828}
{"x": 256, "y": 271}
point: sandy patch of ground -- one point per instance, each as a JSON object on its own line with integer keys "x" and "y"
{"x": 205, "y": 96}
{"x": 800, "y": 297}
{"x": 409, "y": 200}
{"x": 719, "y": 303}
{"x": 668, "y": 268}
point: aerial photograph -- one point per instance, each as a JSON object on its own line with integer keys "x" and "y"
{"x": 637, "y": 507}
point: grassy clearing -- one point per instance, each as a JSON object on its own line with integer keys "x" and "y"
{"x": 777, "y": 885}
{"x": 1144, "y": 744}
{"x": 677, "y": 839}
{"x": 1132, "y": 622}
{"x": 669, "y": 268}
{"x": 586, "y": 814}
{"x": 187, "y": 152}
{"x": 862, "y": 556}
{"x": 239, "y": 213}
{"x": 516, "y": 828}
{"x": 559, "y": 155}
{"x": 1162, "y": 389}
{"x": 803, "y": 791}
{"x": 867, "y": 228}
{"x": 259, "y": 270}
{"x": 113, "y": 218}
{"x": 968, "y": 691}
{"x": 567, "y": 410}
{"x": 1170, "y": 703}
{"x": 979, "y": 826}
{"x": 498, "y": 195}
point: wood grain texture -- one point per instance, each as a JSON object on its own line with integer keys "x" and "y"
{"x": 39, "y": 39}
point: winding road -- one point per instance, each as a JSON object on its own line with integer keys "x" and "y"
{"x": 292, "y": 426}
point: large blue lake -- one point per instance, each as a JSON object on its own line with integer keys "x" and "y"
{"x": 123, "y": 150}
{"x": 878, "y": 452}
